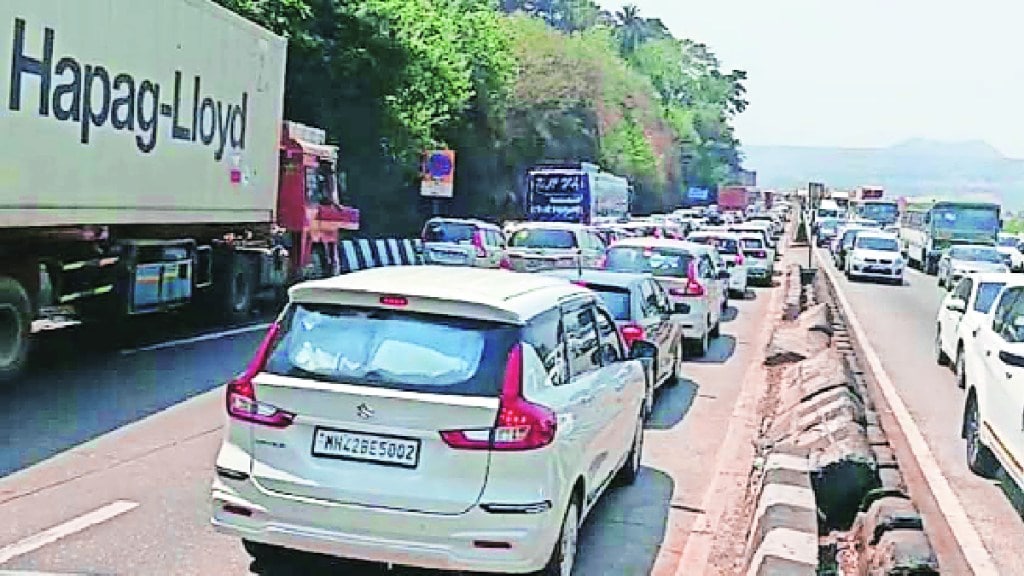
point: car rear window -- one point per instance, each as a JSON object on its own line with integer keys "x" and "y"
{"x": 393, "y": 349}
{"x": 458, "y": 232}
{"x": 615, "y": 298}
{"x": 752, "y": 244}
{"x": 724, "y": 245}
{"x": 543, "y": 238}
{"x": 657, "y": 261}
{"x": 987, "y": 292}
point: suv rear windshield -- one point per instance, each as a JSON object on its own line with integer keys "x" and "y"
{"x": 752, "y": 243}
{"x": 657, "y": 261}
{"x": 724, "y": 245}
{"x": 458, "y": 232}
{"x": 393, "y": 349}
{"x": 615, "y": 298}
{"x": 541, "y": 238}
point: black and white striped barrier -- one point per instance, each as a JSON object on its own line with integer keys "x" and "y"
{"x": 363, "y": 253}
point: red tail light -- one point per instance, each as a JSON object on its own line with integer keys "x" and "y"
{"x": 631, "y": 333}
{"x": 506, "y": 263}
{"x": 739, "y": 258}
{"x": 478, "y": 243}
{"x": 693, "y": 286}
{"x": 602, "y": 262}
{"x": 241, "y": 394}
{"x": 521, "y": 424}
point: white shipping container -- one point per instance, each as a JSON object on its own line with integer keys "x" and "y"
{"x": 137, "y": 112}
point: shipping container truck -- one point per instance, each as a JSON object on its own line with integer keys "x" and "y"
{"x": 733, "y": 198}
{"x": 575, "y": 192}
{"x": 146, "y": 166}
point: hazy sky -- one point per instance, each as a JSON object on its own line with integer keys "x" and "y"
{"x": 869, "y": 72}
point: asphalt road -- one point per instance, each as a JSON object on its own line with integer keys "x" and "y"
{"x": 900, "y": 323}
{"x": 108, "y": 454}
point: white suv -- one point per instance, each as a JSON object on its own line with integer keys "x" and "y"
{"x": 688, "y": 273}
{"x": 535, "y": 246}
{"x": 447, "y": 418}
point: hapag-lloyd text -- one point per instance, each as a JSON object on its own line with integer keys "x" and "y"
{"x": 93, "y": 97}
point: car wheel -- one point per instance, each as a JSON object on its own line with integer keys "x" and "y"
{"x": 631, "y": 468}
{"x": 941, "y": 283}
{"x": 980, "y": 459}
{"x": 940, "y": 357}
{"x": 699, "y": 346}
{"x": 677, "y": 371}
{"x": 563, "y": 557}
{"x": 961, "y": 368}
{"x": 716, "y": 331}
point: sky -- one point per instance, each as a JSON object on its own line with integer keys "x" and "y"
{"x": 865, "y": 73}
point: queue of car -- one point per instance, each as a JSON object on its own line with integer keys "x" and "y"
{"x": 468, "y": 414}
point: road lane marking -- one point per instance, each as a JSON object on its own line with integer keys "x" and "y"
{"x": 194, "y": 339}
{"x": 73, "y": 526}
{"x": 977, "y": 556}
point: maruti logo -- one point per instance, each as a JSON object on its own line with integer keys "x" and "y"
{"x": 97, "y": 98}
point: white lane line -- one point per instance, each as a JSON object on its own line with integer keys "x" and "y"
{"x": 978, "y": 558}
{"x": 194, "y": 339}
{"x": 73, "y": 526}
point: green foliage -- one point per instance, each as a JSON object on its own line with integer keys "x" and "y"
{"x": 506, "y": 83}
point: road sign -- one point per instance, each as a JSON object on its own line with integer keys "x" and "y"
{"x": 437, "y": 175}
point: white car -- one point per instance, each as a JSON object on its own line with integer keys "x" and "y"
{"x": 534, "y": 246}
{"x": 455, "y": 242}
{"x": 747, "y": 228}
{"x": 994, "y": 373}
{"x": 690, "y": 274}
{"x": 1009, "y": 246}
{"x": 757, "y": 257}
{"x": 875, "y": 255}
{"x": 442, "y": 417}
{"x": 961, "y": 315}
{"x": 729, "y": 246}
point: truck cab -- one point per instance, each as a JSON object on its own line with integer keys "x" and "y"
{"x": 310, "y": 215}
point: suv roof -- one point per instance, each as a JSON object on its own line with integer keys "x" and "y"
{"x": 552, "y": 225}
{"x": 606, "y": 277}
{"x": 497, "y": 295}
{"x": 655, "y": 243}
{"x": 473, "y": 221}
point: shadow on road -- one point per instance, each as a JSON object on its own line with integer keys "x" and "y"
{"x": 671, "y": 404}
{"x": 83, "y": 387}
{"x": 621, "y": 536}
{"x": 730, "y": 314}
{"x": 719, "y": 351}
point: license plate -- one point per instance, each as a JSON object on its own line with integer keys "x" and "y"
{"x": 375, "y": 448}
{"x": 878, "y": 270}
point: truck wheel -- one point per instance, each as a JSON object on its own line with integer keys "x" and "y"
{"x": 15, "y": 328}
{"x": 239, "y": 288}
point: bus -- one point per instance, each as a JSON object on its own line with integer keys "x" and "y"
{"x": 885, "y": 212}
{"x": 578, "y": 192}
{"x": 929, "y": 226}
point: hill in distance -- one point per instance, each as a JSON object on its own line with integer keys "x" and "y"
{"x": 966, "y": 170}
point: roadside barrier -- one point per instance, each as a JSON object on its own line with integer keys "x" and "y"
{"x": 363, "y": 253}
{"x": 830, "y": 498}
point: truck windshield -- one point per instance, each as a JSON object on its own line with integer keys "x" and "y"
{"x": 976, "y": 254}
{"x": 884, "y": 213}
{"x": 964, "y": 219}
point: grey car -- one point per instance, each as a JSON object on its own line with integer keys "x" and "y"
{"x": 959, "y": 261}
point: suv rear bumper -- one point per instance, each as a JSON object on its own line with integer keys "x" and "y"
{"x": 433, "y": 541}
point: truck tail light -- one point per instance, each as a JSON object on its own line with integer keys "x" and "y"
{"x": 478, "y": 243}
{"x": 521, "y": 424}
{"x": 631, "y": 333}
{"x": 241, "y": 394}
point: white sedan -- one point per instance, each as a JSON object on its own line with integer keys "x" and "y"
{"x": 875, "y": 255}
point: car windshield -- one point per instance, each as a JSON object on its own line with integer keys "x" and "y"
{"x": 653, "y": 260}
{"x": 830, "y": 225}
{"x": 976, "y": 254}
{"x": 848, "y": 237}
{"x": 615, "y": 298}
{"x": 458, "y": 232}
{"x": 543, "y": 238}
{"x": 724, "y": 245}
{"x": 1009, "y": 242}
{"x": 876, "y": 243}
{"x": 987, "y": 292}
{"x": 392, "y": 349}
{"x": 966, "y": 219}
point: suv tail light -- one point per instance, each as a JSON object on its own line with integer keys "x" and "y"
{"x": 693, "y": 286}
{"x": 241, "y": 394}
{"x": 739, "y": 258}
{"x": 521, "y": 424}
{"x": 631, "y": 333}
{"x": 506, "y": 263}
{"x": 478, "y": 243}
{"x": 602, "y": 262}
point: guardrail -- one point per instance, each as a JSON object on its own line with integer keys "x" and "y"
{"x": 363, "y": 253}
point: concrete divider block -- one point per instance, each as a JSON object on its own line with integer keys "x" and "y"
{"x": 889, "y": 513}
{"x": 785, "y": 552}
{"x": 816, "y": 318}
{"x": 875, "y": 434}
{"x": 903, "y": 552}
{"x": 790, "y": 344}
{"x": 884, "y": 456}
{"x": 892, "y": 479}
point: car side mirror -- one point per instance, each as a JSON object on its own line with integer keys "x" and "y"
{"x": 957, "y": 305}
{"x": 723, "y": 275}
{"x": 641, "y": 350}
